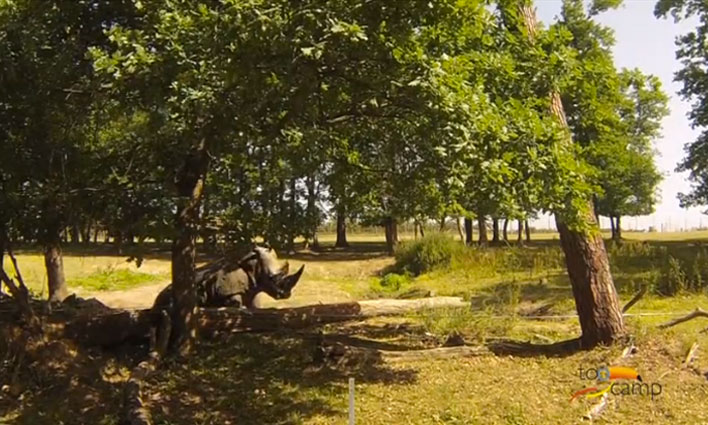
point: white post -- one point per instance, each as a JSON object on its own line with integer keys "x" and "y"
{"x": 351, "y": 401}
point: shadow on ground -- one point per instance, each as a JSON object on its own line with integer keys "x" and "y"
{"x": 259, "y": 379}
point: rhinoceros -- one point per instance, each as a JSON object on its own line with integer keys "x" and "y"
{"x": 226, "y": 283}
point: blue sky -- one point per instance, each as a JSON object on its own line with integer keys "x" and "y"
{"x": 647, "y": 43}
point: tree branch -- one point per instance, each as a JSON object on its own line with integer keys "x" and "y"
{"x": 699, "y": 312}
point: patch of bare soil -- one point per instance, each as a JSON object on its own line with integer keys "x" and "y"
{"x": 140, "y": 297}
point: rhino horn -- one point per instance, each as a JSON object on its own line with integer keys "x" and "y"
{"x": 289, "y": 282}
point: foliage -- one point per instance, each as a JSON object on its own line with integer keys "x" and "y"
{"x": 434, "y": 251}
{"x": 391, "y": 283}
{"x": 673, "y": 278}
{"x": 691, "y": 51}
{"x": 613, "y": 115}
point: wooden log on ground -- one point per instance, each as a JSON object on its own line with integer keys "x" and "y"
{"x": 338, "y": 354}
{"x": 698, "y": 312}
{"x": 136, "y": 412}
{"x": 116, "y": 328}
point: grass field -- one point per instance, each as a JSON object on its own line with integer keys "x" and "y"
{"x": 271, "y": 379}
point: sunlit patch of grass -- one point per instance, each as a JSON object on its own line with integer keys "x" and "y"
{"x": 113, "y": 279}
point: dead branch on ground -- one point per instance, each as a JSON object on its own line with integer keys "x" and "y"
{"x": 635, "y": 299}
{"x": 698, "y": 312}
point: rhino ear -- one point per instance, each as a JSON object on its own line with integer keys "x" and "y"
{"x": 285, "y": 269}
{"x": 248, "y": 263}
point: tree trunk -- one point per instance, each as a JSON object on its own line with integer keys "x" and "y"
{"x": 118, "y": 241}
{"x": 520, "y": 233}
{"x": 495, "y": 230}
{"x": 527, "y": 228}
{"x": 415, "y": 230}
{"x": 312, "y": 219}
{"x": 293, "y": 216}
{"x": 482, "y": 225}
{"x": 86, "y": 233}
{"x": 506, "y": 229}
{"x": 585, "y": 256}
{"x": 460, "y": 230}
{"x": 54, "y": 265}
{"x": 341, "y": 229}
{"x": 190, "y": 186}
{"x": 618, "y": 228}
{"x": 468, "y": 231}
{"x": 391, "y": 228}
{"x": 75, "y": 238}
{"x": 442, "y": 223}
{"x": 612, "y": 228}
{"x": 422, "y": 231}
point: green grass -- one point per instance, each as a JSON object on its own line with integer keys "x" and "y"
{"x": 271, "y": 378}
{"x": 113, "y": 280}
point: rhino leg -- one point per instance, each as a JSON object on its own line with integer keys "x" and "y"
{"x": 235, "y": 300}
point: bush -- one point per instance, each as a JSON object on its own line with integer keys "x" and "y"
{"x": 391, "y": 283}
{"x": 431, "y": 252}
{"x": 673, "y": 279}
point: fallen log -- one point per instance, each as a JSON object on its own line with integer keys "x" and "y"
{"x": 136, "y": 411}
{"x": 338, "y": 354}
{"x": 698, "y": 312}
{"x": 116, "y": 328}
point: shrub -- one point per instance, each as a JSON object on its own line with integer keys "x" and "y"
{"x": 431, "y": 252}
{"x": 673, "y": 278}
{"x": 391, "y": 282}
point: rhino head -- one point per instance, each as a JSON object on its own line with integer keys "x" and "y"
{"x": 261, "y": 264}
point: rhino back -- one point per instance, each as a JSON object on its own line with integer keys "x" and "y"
{"x": 228, "y": 284}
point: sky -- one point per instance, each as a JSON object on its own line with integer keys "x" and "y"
{"x": 647, "y": 43}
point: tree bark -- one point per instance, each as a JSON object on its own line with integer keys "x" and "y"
{"x": 293, "y": 216}
{"x": 190, "y": 187}
{"x": 495, "y": 230}
{"x": 341, "y": 228}
{"x": 54, "y": 265}
{"x": 520, "y": 233}
{"x": 312, "y": 218}
{"x": 527, "y": 228}
{"x": 391, "y": 229}
{"x": 506, "y": 229}
{"x": 612, "y": 227}
{"x": 75, "y": 238}
{"x": 468, "y": 231}
{"x": 460, "y": 230}
{"x": 586, "y": 259}
{"x": 618, "y": 229}
{"x": 482, "y": 225}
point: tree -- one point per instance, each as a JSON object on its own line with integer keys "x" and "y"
{"x": 691, "y": 50}
{"x": 586, "y": 259}
{"x": 49, "y": 92}
{"x": 627, "y": 172}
